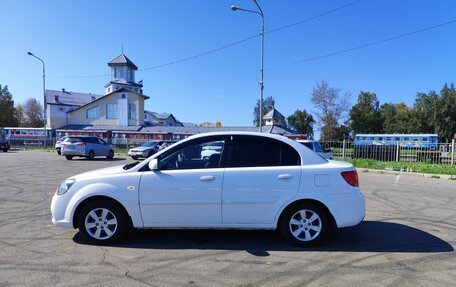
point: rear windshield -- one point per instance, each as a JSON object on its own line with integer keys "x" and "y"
{"x": 149, "y": 144}
{"x": 74, "y": 140}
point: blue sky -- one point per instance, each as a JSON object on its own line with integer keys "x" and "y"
{"x": 78, "y": 38}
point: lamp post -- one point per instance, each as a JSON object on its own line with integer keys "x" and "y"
{"x": 259, "y": 12}
{"x": 44, "y": 95}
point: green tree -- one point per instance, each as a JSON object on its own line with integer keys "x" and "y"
{"x": 268, "y": 105}
{"x": 388, "y": 117}
{"x": 365, "y": 115}
{"x": 447, "y": 113}
{"x": 330, "y": 108}
{"x": 427, "y": 112}
{"x": 302, "y": 122}
{"x": 7, "y": 108}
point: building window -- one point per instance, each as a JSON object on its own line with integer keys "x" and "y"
{"x": 118, "y": 72}
{"x": 93, "y": 113}
{"x": 93, "y": 98}
{"x": 56, "y": 98}
{"x": 111, "y": 111}
{"x": 132, "y": 111}
{"x": 132, "y": 75}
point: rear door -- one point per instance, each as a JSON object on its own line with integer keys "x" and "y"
{"x": 261, "y": 174}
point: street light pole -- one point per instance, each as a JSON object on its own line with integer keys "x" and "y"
{"x": 259, "y": 12}
{"x": 44, "y": 96}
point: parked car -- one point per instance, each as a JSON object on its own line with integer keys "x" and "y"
{"x": 58, "y": 145}
{"x": 4, "y": 146}
{"x": 148, "y": 149}
{"x": 258, "y": 181}
{"x": 86, "y": 146}
{"x": 316, "y": 147}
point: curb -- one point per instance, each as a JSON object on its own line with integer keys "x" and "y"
{"x": 418, "y": 174}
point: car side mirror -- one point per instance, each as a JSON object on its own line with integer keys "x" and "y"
{"x": 153, "y": 164}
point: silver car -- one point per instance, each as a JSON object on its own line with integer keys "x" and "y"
{"x": 149, "y": 148}
{"x": 86, "y": 146}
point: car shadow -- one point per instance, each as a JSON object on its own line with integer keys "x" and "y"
{"x": 369, "y": 236}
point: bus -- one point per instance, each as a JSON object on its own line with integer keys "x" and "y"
{"x": 427, "y": 141}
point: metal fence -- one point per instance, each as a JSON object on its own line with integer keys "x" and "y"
{"x": 444, "y": 153}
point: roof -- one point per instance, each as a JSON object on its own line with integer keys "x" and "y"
{"x": 98, "y": 128}
{"x": 198, "y": 129}
{"x": 273, "y": 114}
{"x": 118, "y": 91}
{"x": 122, "y": 60}
{"x": 69, "y": 98}
{"x": 123, "y": 82}
{"x": 160, "y": 116}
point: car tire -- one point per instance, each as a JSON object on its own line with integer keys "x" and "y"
{"x": 91, "y": 155}
{"x": 110, "y": 154}
{"x": 103, "y": 222}
{"x": 59, "y": 152}
{"x": 5, "y": 150}
{"x": 151, "y": 153}
{"x": 305, "y": 224}
{"x": 134, "y": 157}
{"x": 69, "y": 157}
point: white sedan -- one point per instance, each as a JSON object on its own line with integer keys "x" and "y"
{"x": 257, "y": 181}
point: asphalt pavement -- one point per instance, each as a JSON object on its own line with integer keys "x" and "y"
{"x": 407, "y": 239}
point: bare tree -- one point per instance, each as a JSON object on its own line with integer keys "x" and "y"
{"x": 33, "y": 113}
{"x": 330, "y": 108}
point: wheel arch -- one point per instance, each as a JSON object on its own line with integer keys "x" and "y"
{"x": 304, "y": 201}
{"x": 97, "y": 197}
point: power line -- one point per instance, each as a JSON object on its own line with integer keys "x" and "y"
{"x": 362, "y": 46}
{"x": 225, "y": 46}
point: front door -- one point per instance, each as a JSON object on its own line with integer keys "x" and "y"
{"x": 186, "y": 190}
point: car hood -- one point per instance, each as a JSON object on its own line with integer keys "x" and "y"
{"x": 101, "y": 172}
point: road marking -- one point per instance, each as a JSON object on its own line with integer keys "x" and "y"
{"x": 396, "y": 181}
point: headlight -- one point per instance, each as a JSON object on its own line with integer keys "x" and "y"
{"x": 65, "y": 186}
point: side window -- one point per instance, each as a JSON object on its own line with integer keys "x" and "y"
{"x": 254, "y": 153}
{"x": 200, "y": 155}
{"x": 100, "y": 141}
{"x": 289, "y": 156}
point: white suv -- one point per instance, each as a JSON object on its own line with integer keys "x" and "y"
{"x": 257, "y": 181}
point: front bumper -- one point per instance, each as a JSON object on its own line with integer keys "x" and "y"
{"x": 58, "y": 211}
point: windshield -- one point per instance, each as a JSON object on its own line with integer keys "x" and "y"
{"x": 149, "y": 144}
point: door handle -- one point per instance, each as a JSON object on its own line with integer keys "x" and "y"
{"x": 284, "y": 176}
{"x": 207, "y": 178}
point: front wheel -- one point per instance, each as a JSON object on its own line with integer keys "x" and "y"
{"x": 91, "y": 155}
{"x": 110, "y": 154}
{"x": 103, "y": 222}
{"x": 305, "y": 224}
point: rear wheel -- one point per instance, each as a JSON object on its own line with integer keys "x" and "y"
{"x": 151, "y": 153}
{"x": 134, "y": 157}
{"x": 91, "y": 155}
{"x": 305, "y": 224}
{"x": 69, "y": 157}
{"x": 110, "y": 154}
{"x": 5, "y": 150}
{"x": 103, "y": 222}
{"x": 59, "y": 152}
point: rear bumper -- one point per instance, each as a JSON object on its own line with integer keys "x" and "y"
{"x": 348, "y": 209}
{"x": 73, "y": 152}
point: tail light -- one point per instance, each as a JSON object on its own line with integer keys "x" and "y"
{"x": 81, "y": 144}
{"x": 351, "y": 177}
{"x": 57, "y": 142}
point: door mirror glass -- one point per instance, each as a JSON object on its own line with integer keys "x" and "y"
{"x": 153, "y": 164}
